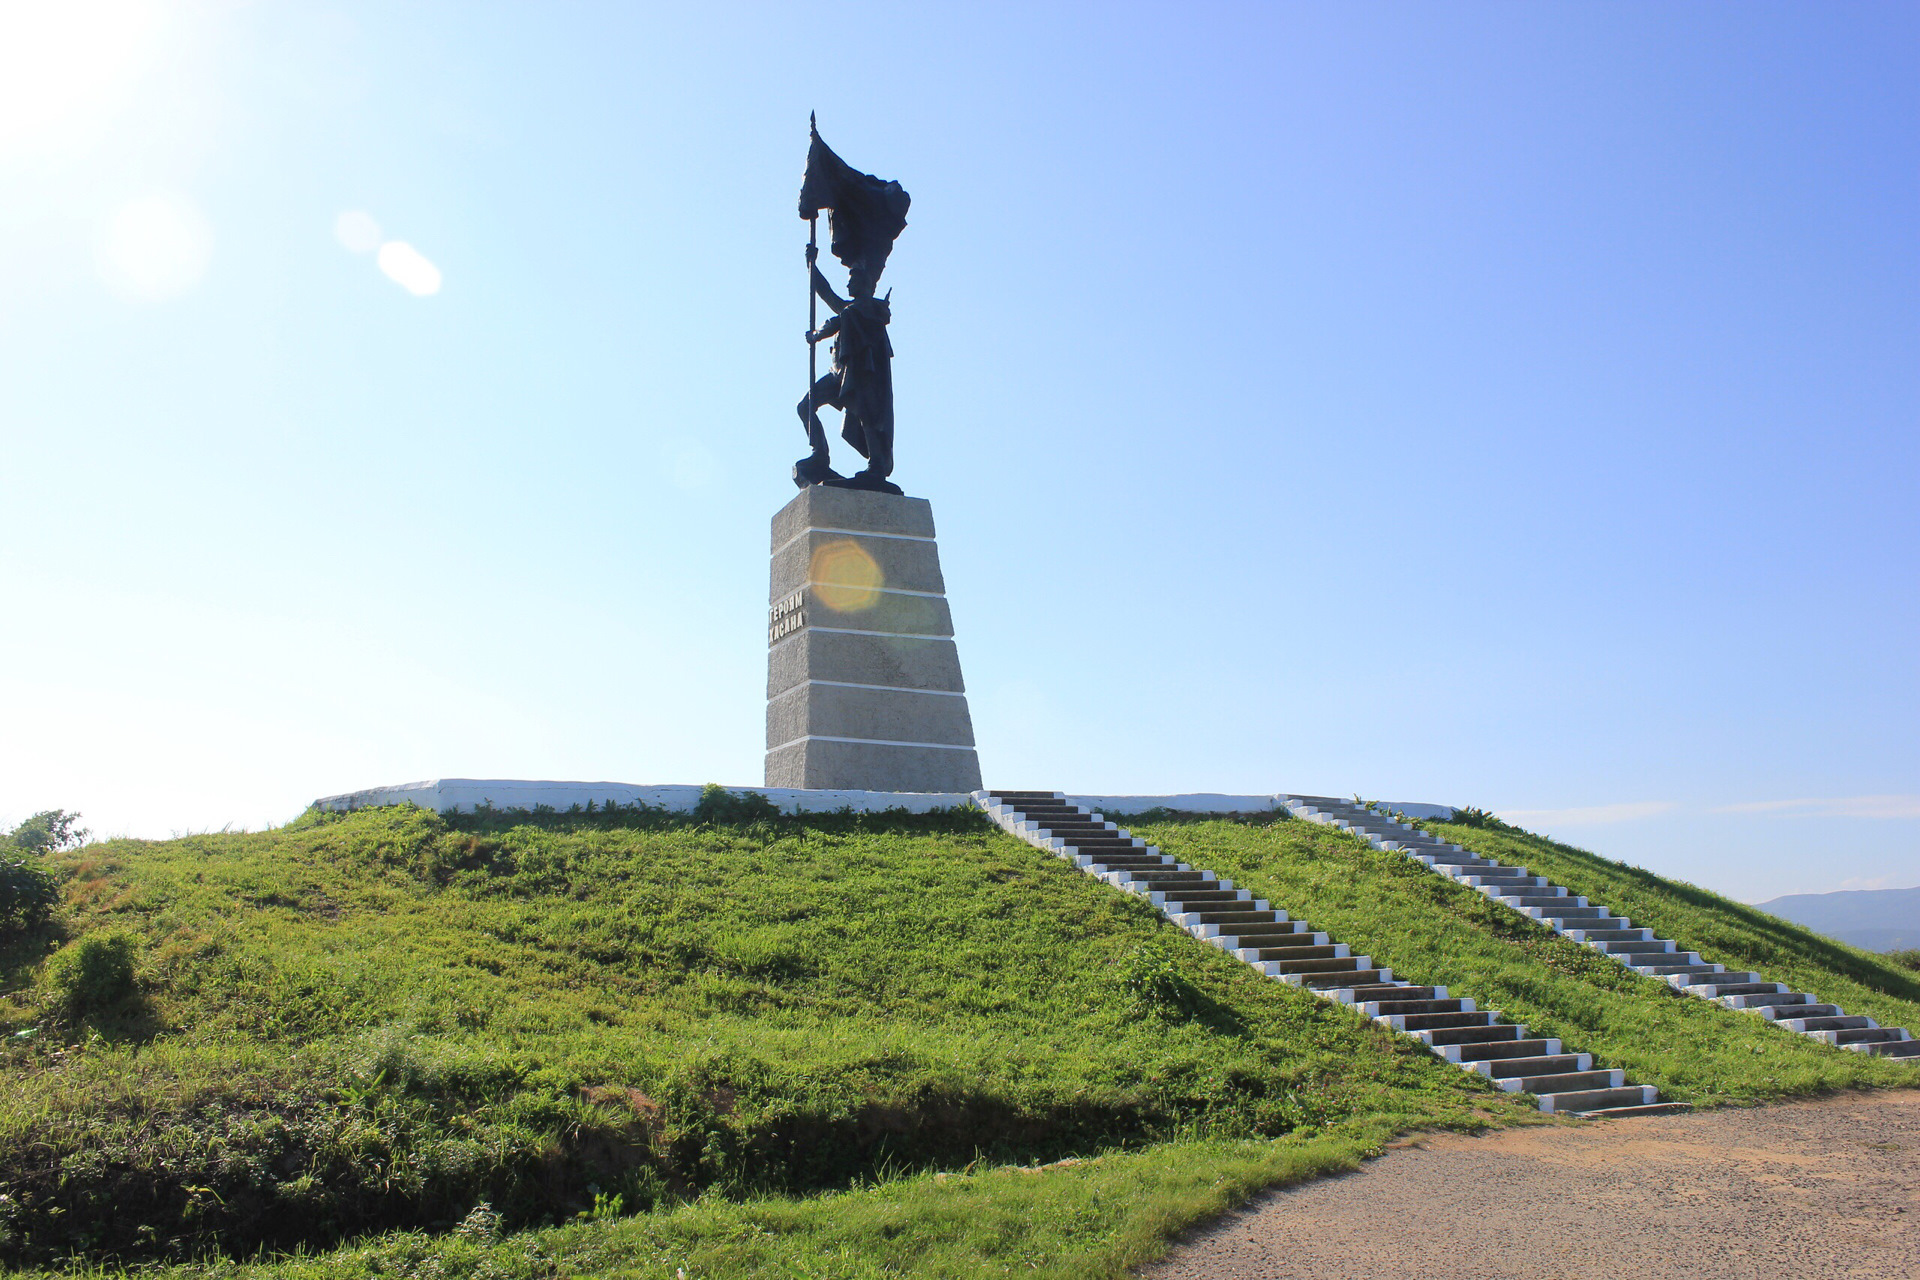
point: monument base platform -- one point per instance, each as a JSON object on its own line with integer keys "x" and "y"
{"x": 863, "y": 679}
{"x": 464, "y": 795}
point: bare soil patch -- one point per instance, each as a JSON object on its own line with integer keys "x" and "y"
{"x": 1822, "y": 1188}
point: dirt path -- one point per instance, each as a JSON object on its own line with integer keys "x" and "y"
{"x": 1805, "y": 1189}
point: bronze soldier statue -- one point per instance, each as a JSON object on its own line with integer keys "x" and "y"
{"x": 867, "y": 216}
{"x": 859, "y": 383}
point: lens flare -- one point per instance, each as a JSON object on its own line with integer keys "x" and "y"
{"x": 845, "y": 578}
{"x": 407, "y": 267}
{"x": 154, "y": 248}
{"x": 356, "y": 231}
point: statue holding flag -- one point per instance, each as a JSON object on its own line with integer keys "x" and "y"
{"x": 867, "y": 216}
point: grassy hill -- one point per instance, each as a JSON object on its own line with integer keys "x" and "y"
{"x": 378, "y": 1022}
{"x": 629, "y": 1043}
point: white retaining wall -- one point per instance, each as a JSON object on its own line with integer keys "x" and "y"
{"x": 466, "y": 794}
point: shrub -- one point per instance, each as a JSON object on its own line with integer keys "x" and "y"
{"x": 48, "y": 831}
{"x": 1155, "y": 980}
{"x": 28, "y": 895}
{"x": 481, "y": 1226}
{"x": 95, "y": 974}
{"x": 719, "y": 805}
{"x": 1481, "y": 818}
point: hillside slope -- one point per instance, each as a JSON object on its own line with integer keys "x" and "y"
{"x": 1429, "y": 929}
{"x": 1720, "y": 929}
{"x": 380, "y": 1020}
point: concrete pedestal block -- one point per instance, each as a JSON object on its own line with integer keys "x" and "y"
{"x": 863, "y": 679}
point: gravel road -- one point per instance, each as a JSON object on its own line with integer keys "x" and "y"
{"x": 1804, "y": 1189}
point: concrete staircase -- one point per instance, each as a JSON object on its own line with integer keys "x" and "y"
{"x": 1612, "y": 935}
{"x": 1214, "y": 910}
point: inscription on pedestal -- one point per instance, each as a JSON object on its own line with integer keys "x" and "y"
{"x": 787, "y": 617}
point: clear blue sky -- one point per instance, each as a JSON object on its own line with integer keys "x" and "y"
{"x": 1498, "y": 404}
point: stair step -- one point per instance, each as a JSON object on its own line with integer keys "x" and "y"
{"x": 1544, "y": 1064}
{"x": 1390, "y": 1008}
{"x": 1564, "y": 1082}
{"x": 1787, "y": 1012}
{"x": 1734, "y": 988}
{"x": 1440, "y": 1021}
{"x": 1643, "y": 1109}
{"x": 1762, "y": 1000}
{"x": 1495, "y": 1033}
{"x": 1281, "y": 945}
{"x": 1209, "y": 893}
{"x": 1397, "y": 991}
{"x": 1499, "y": 1050}
{"x": 1290, "y": 962}
{"x": 1678, "y": 967}
{"x": 1835, "y": 1022}
{"x": 1633, "y": 1095}
{"x": 1300, "y": 959}
{"x": 1281, "y": 933}
{"x": 1340, "y": 980}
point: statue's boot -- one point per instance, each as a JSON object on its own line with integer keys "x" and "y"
{"x": 866, "y": 480}
{"x": 814, "y": 469}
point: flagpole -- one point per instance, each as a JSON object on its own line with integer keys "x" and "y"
{"x": 813, "y": 322}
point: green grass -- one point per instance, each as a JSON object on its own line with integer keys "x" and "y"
{"x": 1082, "y": 1220}
{"x": 772, "y": 1036}
{"x": 1429, "y": 929}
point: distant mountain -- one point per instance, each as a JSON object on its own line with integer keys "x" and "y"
{"x": 1877, "y": 919}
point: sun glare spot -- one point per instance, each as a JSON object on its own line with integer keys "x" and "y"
{"x": 61, "y": 59}
{"x": 356, "y": 231}
{"x": 155, "y": 248}
{"x": 845, "y": 578}
{"x": 407, "y": 267}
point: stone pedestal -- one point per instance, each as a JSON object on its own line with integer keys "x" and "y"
{"x": 863, "y": 680}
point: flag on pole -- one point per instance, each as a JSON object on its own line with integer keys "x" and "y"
{"x": 868, "y": 214}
